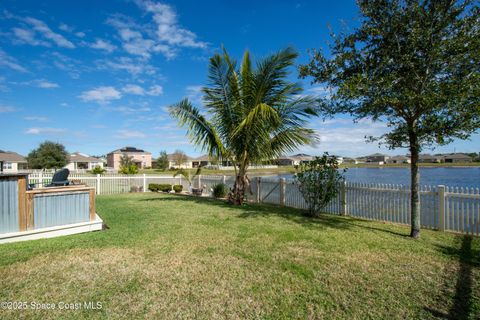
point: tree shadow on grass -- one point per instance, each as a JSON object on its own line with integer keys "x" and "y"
{"x": 254, "y": 210}
{"x": 462, "y": 301}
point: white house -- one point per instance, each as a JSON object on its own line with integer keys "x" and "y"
{"x": 398, "y": 159}
{"x": 202, "y": 161}
{"x": 11, "y": 162}
{"x": 457, "y": 157}
{"x": 294, "y": 160}
{"x": 179, "y": 161}
{"x": 81, "y": 161}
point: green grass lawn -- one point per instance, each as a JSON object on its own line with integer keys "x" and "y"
{"x": 167, "y": 256}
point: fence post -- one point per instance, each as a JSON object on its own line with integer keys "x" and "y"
{"x": 343, "y": 194}
{"x": 282, "y": 191}
{"x": 98, "y": 184}
{"x": 199, "y": 181}
{"x": 441, "y": 207}
{"x": 224, "y": 179}
{"x": 259, "y": 181}
{"x": 144, "y": 182}
{"x": 40, "y": 179}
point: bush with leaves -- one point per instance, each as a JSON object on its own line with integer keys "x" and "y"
{"x": 177, "y": 188}
{"x": 153, "y": 187}
{"x": 162, "y": 187}
{"x": 98, "y": 170}
{"x": 319, "y": 182}
{"x": 220, "y": 190}
{"x": 130, "y": 169}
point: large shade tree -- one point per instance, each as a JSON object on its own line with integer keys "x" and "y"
{"x": 48, "y": 155}
{"x": 250, "y": 114}
{"x": 414, "y": 64}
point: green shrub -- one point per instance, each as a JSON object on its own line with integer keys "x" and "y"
{"x": 319, "y": 182}
{"x": 165, "y": 187}
{"x": 178, "y": 188}
{"x": 220, "y": 190}
{"x": 153, "y": 187}
{"x": 130, "y": 169}
{"x": 98, "y": 170}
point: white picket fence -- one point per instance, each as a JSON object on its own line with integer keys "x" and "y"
{"x": 442, "y": 208}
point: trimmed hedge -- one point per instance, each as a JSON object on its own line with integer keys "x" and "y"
{"x": 156, "y": 187}
{"x": 178, "y": 188}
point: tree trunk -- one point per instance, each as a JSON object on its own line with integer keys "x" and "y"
{"x": 237, "y": 195}
{"x": 414, "y": 187}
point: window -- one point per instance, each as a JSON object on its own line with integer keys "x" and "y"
{"x": 7, "y": 165}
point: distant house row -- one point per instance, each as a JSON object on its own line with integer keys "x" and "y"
{"x": 380, "y": 159}
{"x": 14, "y": 162}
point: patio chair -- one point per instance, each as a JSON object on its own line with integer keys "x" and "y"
{"x": 60, "y": 178}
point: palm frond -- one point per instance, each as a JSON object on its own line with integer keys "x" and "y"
{"x": 258, "y": 120}
{"x": 270, "y": 77}
{"x": 290, "y": 138}
{"x": 199, "y": 129}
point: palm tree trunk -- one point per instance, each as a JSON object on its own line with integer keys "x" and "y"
{"x": 237, "y": 195}
{"x": 414, "y": 187}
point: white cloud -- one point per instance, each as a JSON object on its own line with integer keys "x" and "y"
{"x": 10, "y": 62}
{"x": 37, "y": 131}
{"x": 64, "y": 104}
{"x": 27, "y": 36}
{"x": 6, "y": 109}
{"x": 103, "y": 45}
{"x": 129, "y": 134}
{"x": 47, "y": 33}
{"x": 131, "y": 110}
{"x": 80, "y": 34}
{"x": 166, "y": 37}
{"x": 101, "y": 95}
{"x": 155, "y": 90}
{"x": 65, "y": 27}
{"x": 72, "y": 67}
{"x": 318, "y": 91}
{"x": 168, "y": 29}
{"x": 46, "y": 84}
{"x": 134, "y": 43}
{"x": 133, "y": 89}
{"x": 40, "y": 83}
{"x": 134, "y": 67}
{"x": 343, "y": 137}
{"x": 194, "y": 93}
{"x": 36, "y": 118}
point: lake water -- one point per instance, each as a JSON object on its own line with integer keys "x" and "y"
{"x": 449, "y": 176}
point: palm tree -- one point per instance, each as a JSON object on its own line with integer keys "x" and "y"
{"x": 252, "y": 114}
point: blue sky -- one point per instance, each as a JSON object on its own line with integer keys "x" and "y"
{"x": 98, "y": 75}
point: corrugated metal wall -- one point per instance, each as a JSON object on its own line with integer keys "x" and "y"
{"x": 9, "y": 206}
{"x": 57, "y": 209}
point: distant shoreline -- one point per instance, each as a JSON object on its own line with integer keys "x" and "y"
{"x": 291, "y": 169}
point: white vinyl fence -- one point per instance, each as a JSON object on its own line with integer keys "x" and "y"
{"x": 442, "y": 208}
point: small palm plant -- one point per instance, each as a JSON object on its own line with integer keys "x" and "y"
{"x": 252, "y": 114}
{"x": 186, "y": 174}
